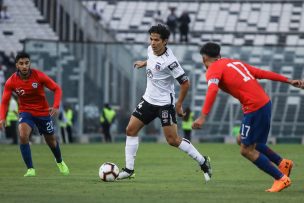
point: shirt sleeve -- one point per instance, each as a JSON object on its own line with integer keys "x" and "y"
{"x": 263, "y": 74}
{"x": 210, "y": 98}
{"x": 7, "y": 93}
{"x": 213, "y": 77}
{"x": 175, "y": 68}
{"x": 52, "y": 85}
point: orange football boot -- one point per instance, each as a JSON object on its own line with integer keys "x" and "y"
{"x": 280, "y": 184}
{"x": 285, "y": 166}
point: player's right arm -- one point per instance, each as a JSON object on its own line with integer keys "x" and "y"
{"x": 213, "y": 77}
{"x": 209, "y": 101}
{"x": 7, "y": 93}
{"x": 140, "y": 64}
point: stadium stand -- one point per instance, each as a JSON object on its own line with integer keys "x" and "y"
{"x": 25, "y": 22}
{"x": 227, "y": 22}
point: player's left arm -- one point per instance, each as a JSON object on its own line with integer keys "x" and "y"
{"x": 264, "y": 74}
{"x": 53, "y": 86}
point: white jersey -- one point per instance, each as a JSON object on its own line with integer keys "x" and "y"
{"x": 161, "y": 72}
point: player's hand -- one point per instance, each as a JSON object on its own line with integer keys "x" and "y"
{"x": 54, "y": 111}
{"x": 2, "y": 124}
{"x": 197, "y": 124}
{"x": 297, "y": 83}
{"x": 140, "y": 64}
{"x": 179, "y": 110}
{"x": 302, "y": 84}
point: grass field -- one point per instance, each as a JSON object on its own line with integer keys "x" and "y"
{"x": 163, "y": 174}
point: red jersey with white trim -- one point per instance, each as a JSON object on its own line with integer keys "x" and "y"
{"x": 239, "y": 80}
{"x": 31, "y": 94}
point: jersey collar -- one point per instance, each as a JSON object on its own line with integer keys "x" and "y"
{"x": 163, "y": 52}
{"x": 18, "y": 73}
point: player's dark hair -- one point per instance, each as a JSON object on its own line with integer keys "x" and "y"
{"x": 160, "y": 29}
{"x": 211, "y": 49}
{"x": 21, "y": 55}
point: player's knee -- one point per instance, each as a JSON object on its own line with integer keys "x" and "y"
{"x": 130, "y": 131}
{"x": 246, "y": 152}
{"x": 24, "y": 139}
{"x": 174, "y": 142}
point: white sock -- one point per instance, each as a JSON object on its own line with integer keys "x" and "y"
{"x": 130, "y": 151}
{"x": 187, "y": 147}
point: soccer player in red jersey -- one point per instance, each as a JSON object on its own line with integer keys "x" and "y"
{"x": 240, "y": 81}
{"x": 28, "y": 84}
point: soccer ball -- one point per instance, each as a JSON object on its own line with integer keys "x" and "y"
{"x": 108, "y": 172}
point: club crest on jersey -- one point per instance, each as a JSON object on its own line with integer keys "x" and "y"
{"x": 35, "y": 85}
{"x": 149, "y": 73}
{"x": 173, "y": 65}
{"x": 157, "y": 66}
{"x": 165, "y": 114}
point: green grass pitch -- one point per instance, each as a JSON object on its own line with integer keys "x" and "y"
{"x": 163, "y": 174}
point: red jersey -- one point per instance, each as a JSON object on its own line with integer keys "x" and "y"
{"x": 30, "y": 92}
{"x": 239, "y": 80}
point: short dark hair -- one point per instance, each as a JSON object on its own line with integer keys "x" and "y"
{"x": 211, "y": 49}
{"x": 21, "y": 55}
{"x": 160, "y": 29}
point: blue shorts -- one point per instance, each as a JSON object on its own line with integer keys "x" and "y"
{"x": 256, "y": 125}
{"x": 44, "y": 123}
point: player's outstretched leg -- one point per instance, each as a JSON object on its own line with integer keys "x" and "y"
{"x": 262, "y": 162}
{"x": 130, "y": 153}
{"x": 27, "y": 158}
{"x": 204, "y": 161}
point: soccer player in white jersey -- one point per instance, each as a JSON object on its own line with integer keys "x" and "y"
{"x": 162, "y": 69}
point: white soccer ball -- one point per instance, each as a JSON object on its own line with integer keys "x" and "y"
{"x": 108, "y": 172}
